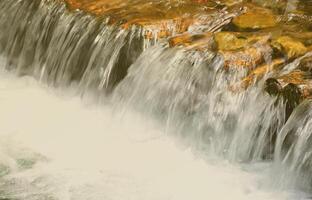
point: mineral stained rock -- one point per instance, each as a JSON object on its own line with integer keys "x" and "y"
{"x": 259, "y": 72}
{"x": 160, "y": 19}
{"x": 290, "y": 47}
{"x": 256, "y": 36}
{"x": 255, "y": 18}
{"x": 242, "y": 51}
{"x": 227, "y": 41}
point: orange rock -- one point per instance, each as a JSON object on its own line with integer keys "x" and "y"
{"x": 290, "y": 47}
{"x": 188, "y": 39}
{"x": 255, "y": 18}
{"x": 248, "y": 58}
{"x": 259, "y": 72}
{"x": 165, "y": 18}
{"x": 292, "y": 88}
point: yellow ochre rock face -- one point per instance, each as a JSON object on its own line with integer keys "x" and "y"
{"x": 141, "y": 11}
{"x": 258, "y": 37}
{"x": 167, "y": 17}
{"x": 256, "y": 18}
{"x": 291, "y": 47}
{"x": 228, "y": 41}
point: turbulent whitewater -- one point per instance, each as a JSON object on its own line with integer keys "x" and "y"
{"x": 101, "y": 112}
{"x": 55, "y": 147}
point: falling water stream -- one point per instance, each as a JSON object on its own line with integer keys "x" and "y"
{"x": 130, "y": 118}
{"x": 55, "y": 147}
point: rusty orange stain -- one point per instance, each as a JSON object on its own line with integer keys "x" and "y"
{"x": 144, "y": 12}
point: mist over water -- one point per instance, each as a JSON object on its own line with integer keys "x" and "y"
{"x": 54, "y": 146}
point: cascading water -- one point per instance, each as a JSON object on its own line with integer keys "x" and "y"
{"x": 81, "y": 48}
{"x": 193, "y": 89}
{"x": 83, "y": 153}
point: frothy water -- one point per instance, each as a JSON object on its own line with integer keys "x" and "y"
{"x": 190, "y": 91}
{"x": 56, "y": 147}
{"x": 170, "y": 127}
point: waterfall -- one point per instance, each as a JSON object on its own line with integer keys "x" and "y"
{"x": 186, "y": 90}
{"x": 191, "y": 91}
{"x": 42, "y": 38}
{"x": 293, "y": 148}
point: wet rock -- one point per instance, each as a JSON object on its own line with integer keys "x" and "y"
{"x": 291, "y": 47}
{"x": 261, "y": 71}
{"x": 278, "y": 5}
{"x": 191, "y": 40}
{"x": 246, "y": 59}
{"x": 296, "y": 77}
{"x": 228, "y": 41}
{"x": 242, "y": 50}
{"x": 276, "y": 85}
{"x": 199, "y": 34}
{"x": 302, "y": 20}
{"x": 292, "y": 95}
{"x": 255, "y": 18}
{"x": 231, "y": 2}
{"x": 306, "y": 64}
{"x": 304, "y": 37}
{"x": 142, "y": 11}
{"x": 273, "y": 87}
{"x": 160, "y": 19}
{"x": 292, "y": 88}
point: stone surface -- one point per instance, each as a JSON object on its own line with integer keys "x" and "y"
{"x": 160, "y": 19}
{"x": 227, "y": 41}
{"x": 256, "y": 18}
{"x": 259, "y": 72}
{"x": 290, "y": 47}
{"x": 248, "y": 58}
{"x": 188, "y": 39}
{"x": 246, "y": 44}
{"x": 292, "y": 88}
{"x": 141, "y": 11}
{"x": 279, "y": 5}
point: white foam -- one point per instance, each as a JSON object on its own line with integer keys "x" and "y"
{"x": 90, "y": 153}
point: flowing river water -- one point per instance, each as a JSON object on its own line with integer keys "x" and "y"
{"x": 78, "y": 124}
{"x": 54, "y": 146}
